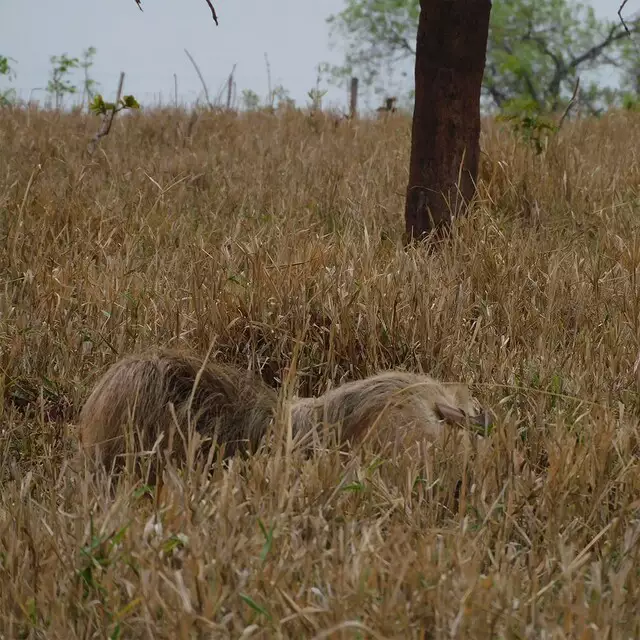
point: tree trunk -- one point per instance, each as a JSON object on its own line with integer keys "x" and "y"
{"x": 445, "y": 145}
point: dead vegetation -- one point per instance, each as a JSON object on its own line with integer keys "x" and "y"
{"x": 279, "y": 241}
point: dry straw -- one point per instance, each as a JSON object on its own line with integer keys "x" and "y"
{"x": 275, "y": 234}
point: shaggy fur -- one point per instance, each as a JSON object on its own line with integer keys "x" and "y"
{"x": 391, "y": 405}
{"x": 147, "y": 396}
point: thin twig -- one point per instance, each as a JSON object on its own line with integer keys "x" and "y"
{"x": 213, "y": 11}
{"x": 571, "y": 103}
{"x": 204, "y": 84}
{"x": 230, "y": 87}
{"x": 624, "y": 24}
{"x": 270, "y": 94}
{"x": 107, "y": 120}
{"x": 175, "y": 89}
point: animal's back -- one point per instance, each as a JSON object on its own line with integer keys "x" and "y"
{"x": 139, "y": 391}
{"x": 392, "y": 403}
{"x": 131, "y": 406}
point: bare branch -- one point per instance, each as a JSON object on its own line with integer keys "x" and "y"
{"x": 402, "y": 43}
{"x": 204, "y": 84}
{"x": 563, "y": 68}
{"x": 213, "y": 11}
{"x": 593, "y": 52}
{"x": 624, "y": 24}
{"x": 532, "y": 36}
{"x": 270, "y": 94}
{"x": 571, "y": 103}
{"x": 230, "y": 87}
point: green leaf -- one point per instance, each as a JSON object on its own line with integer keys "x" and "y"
{"x": 356, "y": 487}
{"x": 255, "y": 606}
{"x": 97, "y": 105}
{"x": 129, "y": 102}
{"x": 143, "y": 490}
{"x": 268, "y": 539}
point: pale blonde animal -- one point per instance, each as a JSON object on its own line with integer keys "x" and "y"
{"x": 148, "y": 396}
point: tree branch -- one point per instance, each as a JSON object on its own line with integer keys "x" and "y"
{"x": 624, "y": 24}
{"x": 107, "y": 120}
{"x": 571, "y": 103}
{"x": 526, "y": 77}
{"x": 204, "y": 84}
{"x": 213, "y": 11}
{"x": 495, "y": 94}
{"x": 403, "y": 43}
{"x": 395, "y": 38}
{"x": 563, "y": 68}
{"x": 558, "y": 61}
{"x": 594, "y": 51}
{"x": 532, "y": 36}
{"x": 532, "y": 90}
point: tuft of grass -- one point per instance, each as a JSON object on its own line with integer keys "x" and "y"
{"x": 280, "y": 234}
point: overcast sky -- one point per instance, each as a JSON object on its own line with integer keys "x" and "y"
{"x": 149, "y": 46}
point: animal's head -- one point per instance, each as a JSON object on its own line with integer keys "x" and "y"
{"x": 464, "y": 408}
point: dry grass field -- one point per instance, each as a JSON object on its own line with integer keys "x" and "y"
{"x": 278, "y": 239}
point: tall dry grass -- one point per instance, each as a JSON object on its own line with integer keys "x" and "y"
{"x": 279, "y": 240}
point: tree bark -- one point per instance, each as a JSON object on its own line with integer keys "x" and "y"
{"x": 445, "y": 139}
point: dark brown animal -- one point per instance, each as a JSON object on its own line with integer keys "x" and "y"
{"x": 151, "y": 399}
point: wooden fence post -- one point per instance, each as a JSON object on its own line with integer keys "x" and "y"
{"x": 353, "y": 102}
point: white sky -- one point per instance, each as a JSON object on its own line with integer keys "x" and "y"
{"x": 149, "y": 45}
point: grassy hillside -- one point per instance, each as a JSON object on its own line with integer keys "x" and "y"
{"x": 278, "y": 239}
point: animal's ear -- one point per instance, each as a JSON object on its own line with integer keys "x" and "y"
{"x": 449, "y": 413}
{"x": 455, "y": 415}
